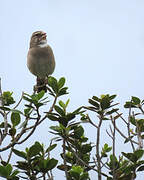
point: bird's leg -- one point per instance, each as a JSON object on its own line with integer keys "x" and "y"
{"x": 41, "y": 84}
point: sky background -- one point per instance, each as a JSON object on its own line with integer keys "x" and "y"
{"x": 98, "y": 47}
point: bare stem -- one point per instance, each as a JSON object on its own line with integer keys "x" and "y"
{"x": 85, "y": 164}
{"x": 128, "y": 127}
{"x": 64, "y": 158}
{"x": 97, "y": 149}
{"x": 113, "y": 139}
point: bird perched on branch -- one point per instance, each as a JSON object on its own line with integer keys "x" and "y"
{"x": 40, "y": 59}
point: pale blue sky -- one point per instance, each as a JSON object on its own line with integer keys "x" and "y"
{"x": 98, "y": 45}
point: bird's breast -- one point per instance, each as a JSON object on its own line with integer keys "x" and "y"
{"x": 41, "y": 61}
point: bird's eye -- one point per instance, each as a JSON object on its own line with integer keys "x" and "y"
{"x": 37, "y": 35}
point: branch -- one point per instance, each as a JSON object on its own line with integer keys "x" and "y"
{"x": 1, "y": 100}
{"x": 85, "y": 164}
{"x": 97, "y": 148}
{"x": 128, "y": 127}
{"x": 64, "y": 159}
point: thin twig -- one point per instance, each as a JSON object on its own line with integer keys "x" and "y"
{"x": 122, "y": 118}
{"x": 51, "y": 109}
{"x": 10, "y": 154}
{"x": 124, "y": 135}
{"x": 91, "y": 122}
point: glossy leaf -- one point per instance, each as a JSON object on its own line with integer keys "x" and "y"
{"x": 20, "y": 153}
{"x": 136, "y": 100}
{"x": 105, "y": 102}
{"x": 59, "y": 110}
{"x": 61, "y": 82}
{"x": 35, "y": 149}
{"x": 7, "y": 98}
{"x": 50, "y": 148}
{"x": 94, "y": 103}
{"x": 86, "y": 148}
{"x": 141, "y": 168}
{"x": 78, "y": 131}
{"x": 52, "y": 82}
{"x": 15, "y": 118}
{"x": 52, "y": 117}
{"x": 51, "y": 164}
{"x": 40, "y": 94}
{"x": 63, "y": 91}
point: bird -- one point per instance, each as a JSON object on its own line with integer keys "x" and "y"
{"x": 40, "y": 59}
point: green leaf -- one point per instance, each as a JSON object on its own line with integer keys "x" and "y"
{"x": 77, "y": 111}
{"x": 94, "y": 103}
{"x": 78, "y": 131}
{"x": 52, "y": 82}
{"x": 129, "y": 104}
{"x": 63, "y": 91}
{"x": 61, "y": 82}
{"x": 20, "y": 153}
{"x": 3, "y": 172}
{"x": 52, "y": 117}
{"x": 62, "y": 167}
{"x": 67, "y": 102}
{"x": 5, "y": 108}
{"x": 35, "y": 149}
{"x": 51, "y": 164}
{"x": 131, "y": 156}
{"x": 112, "y": 111}
{"x": 112, "y": 97}
{"x": 96, "y": 98}
{"x": 62, "y": 104}
{"x": 7, "y": 98}
{"x": 70, "y": 116}
{"x": 136, "y": 100}
{"x": 40, "y": 94}
{"x": 105, "y": 146}
{"x": 77, "y": 169}
{"x": 9, "y": 169}
{"x": 56, "y": 128}
{"x": 108, "y": 149}
{"x": 50, "y": 148}
{"x": 15, "y": 118}
{"x": 141, "y": 168}
{"x": 133, "y": 120}
{"x": 12, "y": 131}
{"x": 27, "y": 99}
{"x": 22, "y": 165}
{"x": 86, "y": 148}
{"x": 2, "y": 125}
{"x": 105, "y": 102}
{"x": 84, "y": 176}
{"x": 74, "y": 174}
{"x": 27, "y": 111}
{"x": 139, "y": 153}
{"x": 59, "y": 110}
{"x": 15, "y": 172}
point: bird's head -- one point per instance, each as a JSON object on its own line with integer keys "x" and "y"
{"x": 38, "y": 38}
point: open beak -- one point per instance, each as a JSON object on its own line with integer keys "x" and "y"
{"x": 44, "y": 35}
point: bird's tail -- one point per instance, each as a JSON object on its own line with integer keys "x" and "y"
{"x": 41, "y": 84}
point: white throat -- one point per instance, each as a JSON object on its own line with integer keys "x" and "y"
{"x": 43, "y": 44}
